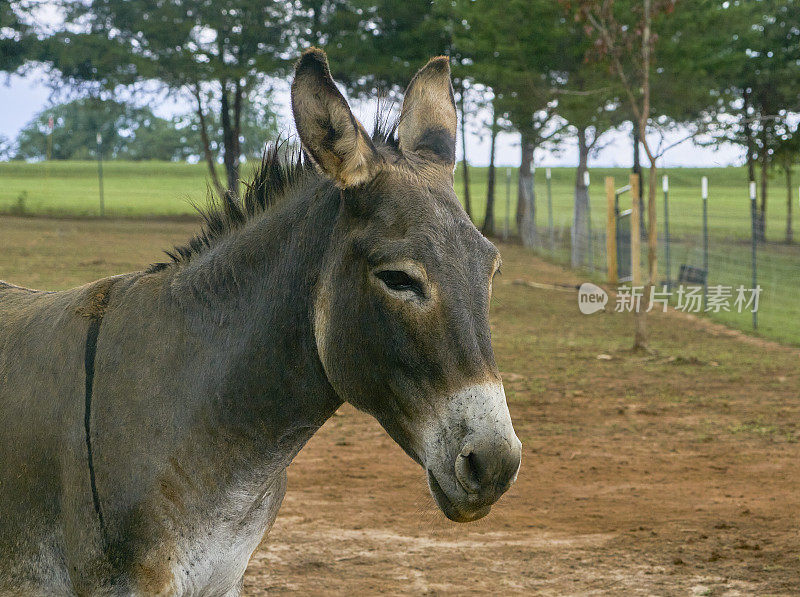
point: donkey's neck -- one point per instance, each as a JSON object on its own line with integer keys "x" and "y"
{"x": 251, "y": 296}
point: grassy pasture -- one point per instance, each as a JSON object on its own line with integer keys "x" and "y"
{"x": 167, "y": 189}
{"x": 162, "y": 189}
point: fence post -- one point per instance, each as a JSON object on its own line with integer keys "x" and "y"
{"x": 667, "y": 240}
{"x": 704, "y": 194}
{"x": 754, "y": 243}
{"x": 611, "y": 231}
{"x": 550, "y": 212}
{"x": 508, "y": 203}
{"x": 100, "y": 173}
{"x": 636, "y": 235}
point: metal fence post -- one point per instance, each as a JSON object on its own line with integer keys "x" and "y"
{"x": 508, "y": 203}
{"x": 550, "y": 212}
{"x": 754, "y": 243}
{"x": 611, "y": 231}
{"x": 100, "y": 173}
{"x": 667, "y": 240}
{"x": 704, "y": 194}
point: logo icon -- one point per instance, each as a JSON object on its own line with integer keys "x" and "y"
{"x": 591, "y": 298}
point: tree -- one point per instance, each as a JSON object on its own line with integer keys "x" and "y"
{"x": 511, "y": 48}
{"x": 488, "y": 218}
{"x": 130, "y": 133}
{"x": 786, "y": 156}
{"x": 588, "y": 100}
{"x": 757, "y": 66}
{"x": 462, "y": 119}
{"x": 374, "y": 46}
{"x": 126, "y": 132}
{"x": 217, "y": 53}
{"x": 6, "y": 148}
{"x": 18, "y": 41}
{"x": 625, "y": 36}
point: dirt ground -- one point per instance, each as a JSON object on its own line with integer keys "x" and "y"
{"x": 671, "y": 473}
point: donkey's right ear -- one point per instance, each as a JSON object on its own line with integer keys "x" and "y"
{"x": 330, "y": 133}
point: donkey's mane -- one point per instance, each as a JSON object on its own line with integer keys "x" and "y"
{"x": 279, "y": 172}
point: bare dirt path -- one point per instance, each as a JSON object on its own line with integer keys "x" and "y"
{"x": 676, "y": 473}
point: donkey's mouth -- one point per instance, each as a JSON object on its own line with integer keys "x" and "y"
{"x": 447, "y": 506}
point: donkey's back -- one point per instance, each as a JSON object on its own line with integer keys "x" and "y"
{"x": 43, "y": 473}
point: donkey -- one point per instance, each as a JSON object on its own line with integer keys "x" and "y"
{"x": 148, "y": 418}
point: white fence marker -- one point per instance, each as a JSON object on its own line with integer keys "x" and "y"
{"x": 665, "y": 183}
{"x": 704, "y": 187}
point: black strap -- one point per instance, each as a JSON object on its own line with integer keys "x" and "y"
{"x": 91, "y": 351}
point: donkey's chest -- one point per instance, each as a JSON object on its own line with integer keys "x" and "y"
{"x": 213, "y": 560}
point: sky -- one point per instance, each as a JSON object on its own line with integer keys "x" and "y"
{"x": 22, "y": 97}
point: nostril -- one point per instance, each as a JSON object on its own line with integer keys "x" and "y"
{"x": 467, "y": 471}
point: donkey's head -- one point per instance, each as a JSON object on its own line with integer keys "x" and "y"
{"x": 401, "y": 311}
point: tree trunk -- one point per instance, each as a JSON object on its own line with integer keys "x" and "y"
{"x": 789, "y": 232}
{"x": 750, "y": 143}
{"x": 526, "y": 198}
{"x": 464, "y": 165}
{"x": 488, "y": 219}
{"x": 209, "y": 156}
{"x": 640, "y": 340}
{"x": 637, "y": 169}
{"x": 580, "y": 216}
{"x": 237, "y": 127}
{"x": 764, "y": 162}
{"x": 637, "y": 165}
{"x": 652, "y": 216}
{"x": 230, "y": 140}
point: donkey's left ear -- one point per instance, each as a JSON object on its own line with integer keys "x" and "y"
{"x": 428, "y": 120}
{"x": 328, "y": 130}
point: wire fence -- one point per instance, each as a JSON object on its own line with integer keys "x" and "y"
{"x": 719, "y": 254}
{"x": 712, "y": 248}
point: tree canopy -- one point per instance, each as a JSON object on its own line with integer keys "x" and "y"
{"x": 218, "y": 53}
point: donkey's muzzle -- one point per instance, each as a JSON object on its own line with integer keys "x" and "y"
{"x": 476, "y": 455}
{"x": 486, "y": 469}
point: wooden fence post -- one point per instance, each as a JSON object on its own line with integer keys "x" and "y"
{"x": 611, "y": 232}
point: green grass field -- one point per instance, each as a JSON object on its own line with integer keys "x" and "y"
{"x": 159, "y": 189}
{"x": 168, "y": 189}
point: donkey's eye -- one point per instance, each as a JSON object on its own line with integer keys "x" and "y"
{"x": 400, "y": 281}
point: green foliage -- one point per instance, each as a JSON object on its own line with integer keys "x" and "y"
{"x": 376, "y": 45}
{"x": 178, "y": 43}
{"x": 755, "y": 68}
{"x": 17, "y": 41}
{"x": 126, "y": 132}
{"x": 129, "y": 133}
{"x": 516, "y": 49}
{"x": 216, "y": 52}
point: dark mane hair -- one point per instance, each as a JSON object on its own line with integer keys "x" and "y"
{"x": 281, "y": 167}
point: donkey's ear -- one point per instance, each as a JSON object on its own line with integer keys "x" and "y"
{"x": 428, "y": 120}
{"x": 328, "y": 130}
